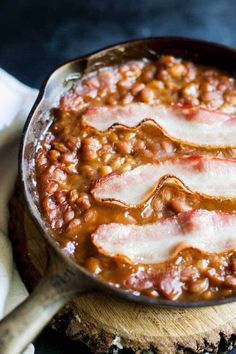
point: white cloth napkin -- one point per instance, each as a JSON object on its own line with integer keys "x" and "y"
{"x": 16, "y": 101}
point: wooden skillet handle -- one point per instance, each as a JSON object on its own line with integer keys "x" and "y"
{"x": 59, "y": 285}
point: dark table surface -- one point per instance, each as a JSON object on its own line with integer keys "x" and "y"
{"x": 37, "y": 35}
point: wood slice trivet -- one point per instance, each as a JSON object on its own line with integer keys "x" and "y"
{"x": 107, "y": 324}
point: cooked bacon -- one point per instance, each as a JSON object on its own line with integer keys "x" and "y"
{"x": 207, "y": 176}
{"x": 207, "y": 231}
{"x": 191, "y": 125}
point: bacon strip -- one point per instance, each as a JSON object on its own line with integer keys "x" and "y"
{"x": 190, "y": 125}
{"x": 207, "y": 176}
{"x": 207, "y": 231}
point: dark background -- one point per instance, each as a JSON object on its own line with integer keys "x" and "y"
{"x": 37, "y": 35}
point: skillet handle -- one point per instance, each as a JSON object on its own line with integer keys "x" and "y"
{"x": 60, "y": 284}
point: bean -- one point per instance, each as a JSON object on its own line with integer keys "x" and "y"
{"x": 69, "y": 215}
{"x": 49, "y": 171}
{"x": 189, "y": 274}
{"x": 71, "y": 169}
{"x": 147, "y": 155}
{"x": 59, "y": 175}
{"x": 123, "y": 68}
{"x": 171, "y": 84}
{"x": 73, "y": 143}
{"x": 41, "y": 160}
{"x": 135, "y": 69}
{"x": 163, "y": 75}
{"x": 130, "y": 160}
{"x": 191, "y": 72}
{"x": 148, "y": 73}
{"x": 90, "y": 215}
{"x": 147, "y": 95}
{"x": 157, "y": 85}
{"x": 139, "y": 145}
{"x": 214, "y": 277}
{"x": 116, "y": 163}
{"x": 60, "y": 146}
{"x": 48, "y": 204}
{"x": 51, "y": 188}
{"x": 83, "y": 201}
{"x": 105, "y": 170}
{"x": 170, "y": 286}
{"x": 67, "y": 158}
{"x": 123, "y": 147}
{"x": 52, "y": 214}
{"x": 167, "y": 60}
{"x": 112, "y": 100}
{"x": 214, "y": 99}
{"x": 53, "y": 155}
{"x": 123, "y": 85}
{"x": 199, "y": 286}
{"x": 74, "y": 224}
{"x": 202, "y": 264}
{"x": 137, "y": 87}
{"x": 207, "y": 87}
{"x": 208, "y": 295}
{"x": 58, "y": 223}
{"x": 113, "y": 137}
{"x": 219, "y": 262}
{"x": 127, "y": 99}
{"x": 89, "y": 148}
{"x": 177, "y": 70}
{"x": 106, "y": 157}
{"x": 126, "y": 167}
{"x": 154, "y": 147}
{"x": 60, "y": 196}
{"x": 191, "y": 91}
{"x": 73, "y": 196}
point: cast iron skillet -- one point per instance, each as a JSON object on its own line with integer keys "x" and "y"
{"x": 64, "y": 279}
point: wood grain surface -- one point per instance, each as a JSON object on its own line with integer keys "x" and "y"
{"x": 106, "y": 323}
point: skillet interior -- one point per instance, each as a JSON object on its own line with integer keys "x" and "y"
{"x": 199, "y": 52}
